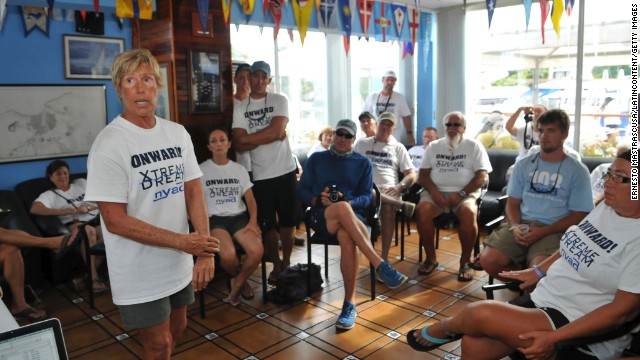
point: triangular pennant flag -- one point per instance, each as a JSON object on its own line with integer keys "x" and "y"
{"x": 247, "y": 7}
{"x": 302, "y": 14}
{"x": 527, "y": 11}
{"x": 382, "y": 23}
{"x": 290, "y": 32}
{"x": 203, "y": 12}
{"x": 491, "y": 5}
{"x": 3, "y": 12}
{"x": 326, "y": 14}
{"x": 50, "y": 3}
{"x": 414, "y": 25}
{"x": 366, "y": 11}
{"x": 275, "y": 9}
{"x": 568, "y": 5}
{"x": 347, "y": 44}
{"x": 119, "y": 21}
{"x": 96, "y": 5}
{"x": 35, "y": 17}
{"x": 399, "y": 14}
{"x": 265, "y": 6}
{"x": 407, "y": 49}
{"x": 556, "y": 15}
{"x": 544, "y": 11}
{"x": 226, "y": 11}
{"x": 345, "y": 17}
{"x": 140, "y": 9}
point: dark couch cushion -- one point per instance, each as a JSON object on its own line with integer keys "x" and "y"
{"x": 594, "y": 162}
{"x": 500, "y": 160}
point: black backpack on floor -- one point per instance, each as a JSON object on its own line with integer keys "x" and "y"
{"x": 291, "y": 284}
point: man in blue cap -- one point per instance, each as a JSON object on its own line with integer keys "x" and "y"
{"x": 337, "y": 183}
{"x": 259, "y": 126}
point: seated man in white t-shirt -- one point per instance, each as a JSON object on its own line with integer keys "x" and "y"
{"x": 597, "y": 181}
{"x": 429, "y": 134}
{"x": 453, "y": 171}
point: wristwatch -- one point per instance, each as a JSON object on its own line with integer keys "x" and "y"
{"x": 462, "y": 193}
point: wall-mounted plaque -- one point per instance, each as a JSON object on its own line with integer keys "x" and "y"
{"x": 205, "y": 82}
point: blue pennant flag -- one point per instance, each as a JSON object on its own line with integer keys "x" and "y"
{"x": 203, "y": 11}
{"x": 491, "y": 5}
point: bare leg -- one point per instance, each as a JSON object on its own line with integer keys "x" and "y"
{"x": 388, "y": 216}
{"x": 13, "y": 270}
{"x": 23, "y": 239}
{"x": 178, "y": 323}
{"x": 494, "y": 261}
{"x": 252, "y": 246}
{"x": 340, "y": 216}
{"x": 484, "y": 322}
{"x": 349, "y": 264}
{"x": 286, "y": 238}
{"x": 425, "y": 213}
{"x": 468, "y": 230}
{"x": 158, "y": 340}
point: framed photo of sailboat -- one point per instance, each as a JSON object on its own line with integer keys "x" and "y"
{"x": 87, "y": 57}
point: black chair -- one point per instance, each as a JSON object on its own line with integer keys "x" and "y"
{"x": 413, "y": 195}
{"x": 631, "y": 327}
{"x": 373, "y": 222}
{"x": 95, "y": 250}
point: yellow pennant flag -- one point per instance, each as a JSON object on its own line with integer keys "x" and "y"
{"x": 302, "y": 14}
{"x": 141, "y": 9}
{"x": 247, "y": 7}
{"x": 226, "y": 11}
{"x": 556, "y": 14}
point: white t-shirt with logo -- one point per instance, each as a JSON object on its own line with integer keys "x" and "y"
{"x": 146, "y": 169}
{"x": 268, "y": 160}
{"x": 224, "y": 186}
{"x": 376, "y": 104}
{"x": 452, "y": 170}
{"x": 598, "y": 257}
{"x": 387, "y": 159}
{"x": 416, "y": 153}
{"x": 242, "y": 157}
{"x": 74, "y": 197}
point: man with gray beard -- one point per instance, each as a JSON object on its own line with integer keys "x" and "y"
{"x": 452, "y": 172}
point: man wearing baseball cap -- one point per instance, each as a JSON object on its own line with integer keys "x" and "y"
{"x": 343, "y": 216}
{"x": 389, "y": 157}
{"x": 241, "y": 79}
{"x": 259, "y": 126}
{"x": 388, "y": 100}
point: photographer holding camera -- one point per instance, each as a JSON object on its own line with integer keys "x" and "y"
{"x": 527, "y": 134}
{"x": 338, "y": 185}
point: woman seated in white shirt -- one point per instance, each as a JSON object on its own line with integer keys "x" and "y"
{"x": 65, "y": 199}
{"x": 225, "y": 184}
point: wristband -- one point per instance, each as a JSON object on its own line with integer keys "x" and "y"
{"x": 539, "y": 271}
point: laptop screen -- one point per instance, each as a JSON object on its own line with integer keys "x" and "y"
{"x": 42, "y": 340}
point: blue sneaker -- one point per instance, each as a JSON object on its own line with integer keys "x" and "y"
{"x": 390, "y": 276}
{"x": 347, "y": 317}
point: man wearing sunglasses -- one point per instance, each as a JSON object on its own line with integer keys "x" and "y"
{"x": 452, "y": 172}
{"x": 549, "y": 191}
{"x": 337, "y": 185}
{"x": 389, "y": 157}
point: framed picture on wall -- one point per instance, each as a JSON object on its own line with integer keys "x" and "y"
{"x": 87, "y": 57}
{"x": 205, "y": 94}
{"x": 50, "y": 121}
{"x": 165, "y": 106}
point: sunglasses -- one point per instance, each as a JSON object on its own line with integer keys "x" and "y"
{"x": 453, "y": 124}
{"x": 616, "y": 178}
{"x": 535, "y": 188}
{"x": 344, "y": 135}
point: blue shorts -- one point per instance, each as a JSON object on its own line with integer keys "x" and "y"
{"x": 318, "y": 222}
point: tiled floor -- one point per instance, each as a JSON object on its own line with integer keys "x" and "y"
{"x": 304, "y": 330}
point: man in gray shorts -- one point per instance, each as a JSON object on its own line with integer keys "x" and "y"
{"x": 452, "y": 172}
{"x": 548, "y": 192}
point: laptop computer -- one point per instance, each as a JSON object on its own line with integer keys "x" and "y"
{"x": 41, "y": 340}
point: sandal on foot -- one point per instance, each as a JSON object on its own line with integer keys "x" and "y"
{"x": 475, "y": 264}
{"x": 435, "y": 342}
{"x": 99, "y": 287}
{"x": 427, "y": 267}
{"x": 246, "y": 292}
{"x": 234, "y": 301}
{"x": 70, "y": 241}
{"x": 465, "y": 274}
{"x": 273, "y": 277}
{"x": 32, "y": 314}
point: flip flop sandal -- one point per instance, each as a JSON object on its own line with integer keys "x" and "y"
{"x": 99, "y": 287}
{"x": 273, "y": 277}
{"x": 69, "y": 242}
{"x": 429, "y": 267}
{"x": 435, "y": 342}
{"x": 465, "y": 269}
{"x": 32, "y": 314}
{"x": 475, "y": 264}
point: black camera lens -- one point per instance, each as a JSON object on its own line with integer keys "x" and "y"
{"x": 528, "y": 117}
{"x": 334, "y": 194}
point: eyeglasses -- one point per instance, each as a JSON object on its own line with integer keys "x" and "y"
{"x": 344, "y": 135}
{"x": 616, "y": 178}
{"x": 453, "y": 124}
{"x": 555, "y": 182}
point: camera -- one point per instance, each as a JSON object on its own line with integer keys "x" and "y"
{"x": 334, "y": 194}
{"x": 528, "y": 117}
